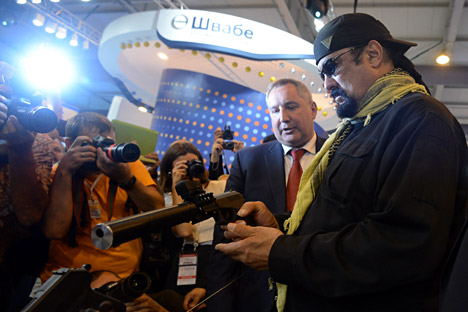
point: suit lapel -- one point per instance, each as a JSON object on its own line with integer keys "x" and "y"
{"x": 275, "y": 168}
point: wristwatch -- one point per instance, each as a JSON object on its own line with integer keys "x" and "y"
{"x": 129, "y": 184}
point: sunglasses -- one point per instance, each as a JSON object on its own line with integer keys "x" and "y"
{"x": 330, "y": 66}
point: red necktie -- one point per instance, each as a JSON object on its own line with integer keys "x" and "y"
{"x": 294, "y": 178}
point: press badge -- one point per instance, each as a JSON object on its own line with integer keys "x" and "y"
{"x": 94, "y": 210}
{"x": 187, "y": 269}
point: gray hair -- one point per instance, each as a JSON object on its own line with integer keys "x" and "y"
{"x": 301, "y": 88}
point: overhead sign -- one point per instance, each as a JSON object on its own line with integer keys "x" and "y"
{"x": 217, "y": 32}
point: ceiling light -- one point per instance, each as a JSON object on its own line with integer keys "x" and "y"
{"x": 85, "y": 0}
{"x": 54, "y": 0}
{"x": 86, "y": 45}
{"x": 61, "y": 33}
{"x": 39, "y": 20}
{"x": 74, "y": 40}
{"x": 163, "y": 56}
{"x": 51, "y": 27}
{"x": 443, "y": 58}
{"x": 36, "y": 1}
{"x": 318, "y": 8}
{"x": 142, "y": 109}
{"x": 21, "y": 1}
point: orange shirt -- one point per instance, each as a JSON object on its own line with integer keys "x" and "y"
{"x": 122, "y": 260}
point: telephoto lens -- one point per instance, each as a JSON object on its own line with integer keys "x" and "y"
{"x": 39, "y": 119}
{"x": 123, "y": 152}
{"x": 195, "y": 169}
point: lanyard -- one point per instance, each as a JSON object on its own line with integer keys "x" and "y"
{"x": 111, "y": 194}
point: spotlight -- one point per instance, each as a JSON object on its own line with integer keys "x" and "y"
{"x": 318, "y": 8}
{"x": 21, "y": 1}
{"x": 443, "y": 58}
{"x": 47, "y": 68}
{"x": 7, "y": 17}
{"x": 74, "y": 40}
{"x": 55, "y": 1}
{"x": 61, "y": 33}
{"x": 39, "y": 20}
{"x": 36, "y": 1}
{"x": 51, "y": 27}
{"x": 142, "y": 109}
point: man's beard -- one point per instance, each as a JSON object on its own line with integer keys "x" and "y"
{"x": 346, "y": 109}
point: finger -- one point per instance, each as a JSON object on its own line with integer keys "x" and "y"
{"x": 79, "y": 141}
{"x": 239, "y": 230}
{"x": 250, "y": 208}
{"x": 231, "y": 249}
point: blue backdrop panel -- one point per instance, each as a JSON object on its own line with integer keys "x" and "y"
{"x": 192, "y": 106}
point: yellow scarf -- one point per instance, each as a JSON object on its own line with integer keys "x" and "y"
{"x": 385, "y": 91}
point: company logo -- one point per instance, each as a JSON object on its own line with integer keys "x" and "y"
{"x": 179, "y": 21}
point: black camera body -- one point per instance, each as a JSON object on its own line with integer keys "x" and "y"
{"x": 127, "y": 289}
{"x": 228, "y": 136}
{"x": 195, "y": 169}
{"x": 123, "y": 152}
{"x": 39, "y": 119}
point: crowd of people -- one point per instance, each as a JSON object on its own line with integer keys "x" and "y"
{"x": 361, "y": 221}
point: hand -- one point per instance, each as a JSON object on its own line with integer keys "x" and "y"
{"x": 217, "y": 149}
{"x": 238, "y": 145}
{"x": 155, "y": 157}
{"x": 252, "y": 246}
{"x": 119, "y": 172}
{"x": 260, "y": 213}
{"x": 77, "y": 155}
{"x": 3, "y": 109}
{"x": 193, "y": 297}
{"x": 144, "y": 303}
{"x": 179, "y": 172}
{"x": 17, "y": 137}
{"x": 218, "y": 134}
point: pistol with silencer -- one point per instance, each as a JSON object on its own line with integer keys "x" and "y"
{"x": 197, "y": 206}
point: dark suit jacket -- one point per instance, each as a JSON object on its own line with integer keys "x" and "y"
{"x": 257, "y": 173}
{"x": 454, "y": 291}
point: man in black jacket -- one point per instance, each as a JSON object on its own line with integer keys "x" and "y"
{"x": 380, "y": 205}
{"x": 261, "y": 173}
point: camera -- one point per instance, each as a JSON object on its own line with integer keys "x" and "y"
{"x": 228, "y": 145}
{"x": 123, "y": 152}
{"x": 127, "y": 289}
{"x": 195, "y": 169}
{"x": 228, "y": 135}
{"x": 33, "y": 118}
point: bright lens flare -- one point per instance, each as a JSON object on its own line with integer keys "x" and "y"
{"x": 48, "y": 69}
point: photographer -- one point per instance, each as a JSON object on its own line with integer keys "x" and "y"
{"x": 25, "y": 162}
{"x": 222, "y": 140}
{"x": 89, "y": 188}
{"x": 183, "y": 161}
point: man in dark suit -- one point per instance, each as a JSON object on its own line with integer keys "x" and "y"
{"x": 261, "y": 173}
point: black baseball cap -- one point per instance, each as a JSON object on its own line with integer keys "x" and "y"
{"x": 351, "y": 30}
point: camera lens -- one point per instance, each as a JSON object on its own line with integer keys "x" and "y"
{"x": 136, "y": 284}
{"x": 124, "y": 152}
{"x": 39, "y": 119}
{"x": 195, "y": 169}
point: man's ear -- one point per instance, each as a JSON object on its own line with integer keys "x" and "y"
{"x": 374, "y": 53}
{"x": 314, "y": 109}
